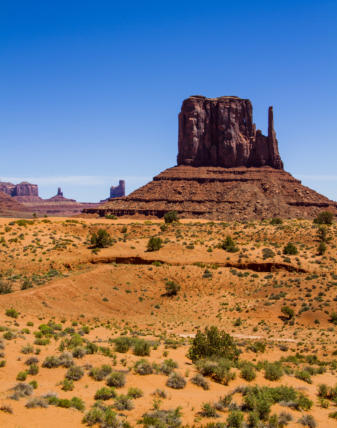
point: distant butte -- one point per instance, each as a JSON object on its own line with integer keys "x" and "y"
{"x": 227, "y": 170}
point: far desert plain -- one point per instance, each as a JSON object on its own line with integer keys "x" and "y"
{"x": 206, "y": 298}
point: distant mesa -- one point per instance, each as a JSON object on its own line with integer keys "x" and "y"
{"x": 227, "y": 170}
{"x": 24, "y": 198}
{"x": 22, "y": 192}
{"x": 59, "y": 197}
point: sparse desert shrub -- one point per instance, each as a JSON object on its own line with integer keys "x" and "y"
{"x": 105, "y": 393}
{"x": 273, "y": 371}
{"x": 6, "y": 408}
{"x": 333, "y": 318}
{"x": 37, "y": 402}
{"x": 141, "y": 348}
{"x": 276, "y": 221}
{"x": 267, "y": 253}
{"x": 21, "y": 376}
{"x": 116, "y": 379}
{"x": 123, "y": 402}
{"x": 168, "y": 366}
{"x": 68, "y": 385}
{"x": 235, "y": 419}
{"x": 74, "y": 373}
{"x": 79, "y": 352}
{"x": 154, "y": 244}
{"x": 171, "y": 217}
{"x": 172, "y": 288}
{"x": 303, "y": 375}
{"x": 21, "y": 390}
{"x": 134, "y": 392}
{"x": 324, "y": 217}
{"x": 288, "y": 312}
{"x": 51, "y": 361}
{"x": 162, "y": 418}
{"x": 143, "y": 367}
{"x": 213, "y": 343}
{"x": 5, "y": 287}
{"x": 100, "y": 373}
{"x": 290, "y": 249}
{"x": 122, "y": 344}
{"x": 257, "y": 347}
{"x": 229, "y": 245}
{"x": 31, "y": 360}
{"x": 308, "y": 421}
{"x": 94, "y": 416}
{"x": 199, "y": 380}
{"x": 12, "y": 312}
{"x": 248, "y": 372}
{"x": 176, "y": 381}
{"x": 101, "y": 239}
{"x": 208, "y": 411}
{"x": 33, "y": 369}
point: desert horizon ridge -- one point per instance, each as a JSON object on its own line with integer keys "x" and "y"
{"x": 110, "y": 318}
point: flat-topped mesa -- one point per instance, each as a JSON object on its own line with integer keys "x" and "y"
{"x": 220, "y": 132}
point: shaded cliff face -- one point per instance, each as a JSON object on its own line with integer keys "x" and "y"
{"x": 220, "y": 132}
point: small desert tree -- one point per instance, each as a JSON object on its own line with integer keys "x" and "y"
{"x": 288, "y": 312}
{"x": 290, "y": 249}
{"x": 324, "y": 217}
{"x": 154, "y": 243}
{"x": 100, "y": 239}
{"x": 171, "y": 217}
{"x": 229, "y": 245}
{"x": 213, "y": 343}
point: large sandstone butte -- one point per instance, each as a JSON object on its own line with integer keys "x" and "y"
{"x": 220, "y": 132}
{"x": 226, "y": 170}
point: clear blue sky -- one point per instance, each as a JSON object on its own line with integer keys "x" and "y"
{"x": 90, "y": 90}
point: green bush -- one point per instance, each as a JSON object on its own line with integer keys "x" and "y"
{"x": 288, "y": 312}
{"x": 162, "y": 419}
{"x": 100, "y": 373}
{"x": 12, "y": 313}
{"x": 105, "y": 393}
{"x": 141, "y": 348}
{"x": 172, "y": 288}
{"x": 213, "y": 343}
{"x": 229, "y": 245}
{"x": 273, "y": 371}
{"x": 176, "y": 381}
{"x": 248, "y": 372}
{"x": 74, "y": 373}
{"x": 154, "y": 244}
{"x": 303, "y": 375}
{"x": 116, "y": 379}
{"x": 324, "y": 217}
{"x": 208, "y": 411}
{"x": 135, "y": 392}
{"x": 290, "y": 249}
{"x": 235, "y": 419}
{"x": 143, "y": 367}
{"x": 123, "y": 402}
{"x": 101, "y": 239}
{"x": 122, "y": 344}
{"x": 199, "y": 380}
{"x": 276, "y": 221}
{"x": 171, "y": 217}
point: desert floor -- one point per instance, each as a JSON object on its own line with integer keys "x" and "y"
{"x": 60, "y": 295}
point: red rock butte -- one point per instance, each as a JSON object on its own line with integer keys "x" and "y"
{"x": 227, "y": 170}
